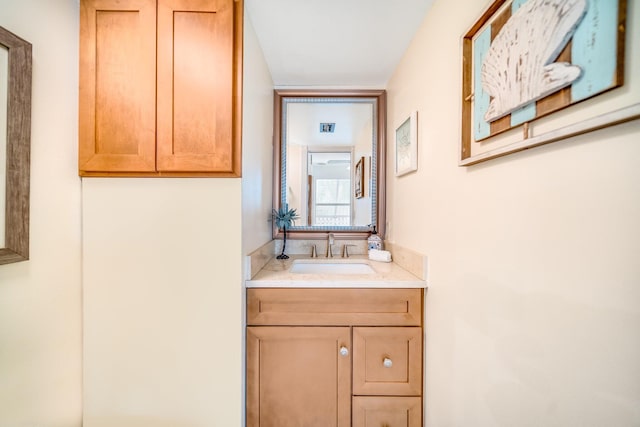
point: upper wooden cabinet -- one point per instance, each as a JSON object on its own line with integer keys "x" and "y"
{"x": 160, "y": 87}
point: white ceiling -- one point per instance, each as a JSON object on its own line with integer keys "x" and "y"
{"x": 334, "y": 43}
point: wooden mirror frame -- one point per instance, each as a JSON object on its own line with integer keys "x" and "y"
{"x": 18, "y": 149}
{"x": 381, "y": 98}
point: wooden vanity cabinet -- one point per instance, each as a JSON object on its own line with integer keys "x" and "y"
{"x": 334, "y": 357}
{"x": 160, "y": 87}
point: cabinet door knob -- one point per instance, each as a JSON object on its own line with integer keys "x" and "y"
{"x": 344, "y": 351}
{"x": 387, "y": 362}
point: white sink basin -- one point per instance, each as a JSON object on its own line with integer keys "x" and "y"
{"x": 331, "y": 268}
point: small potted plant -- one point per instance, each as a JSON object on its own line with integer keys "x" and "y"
{"x": 284, "y": 218}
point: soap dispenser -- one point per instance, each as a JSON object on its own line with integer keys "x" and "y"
{"x": 374, "y": 241}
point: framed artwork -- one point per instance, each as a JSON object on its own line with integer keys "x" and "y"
{"x": 516, "y": 76}
{"x": 16, "y": 65}
{"x": 407, "y": 145}
{"x": 359, "y": 179}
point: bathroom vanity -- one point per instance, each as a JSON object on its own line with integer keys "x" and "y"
{"x": 334, "y": 346}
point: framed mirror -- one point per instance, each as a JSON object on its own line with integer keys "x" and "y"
{"x": 329, "y": 161}
{"x": 15, "y": 142}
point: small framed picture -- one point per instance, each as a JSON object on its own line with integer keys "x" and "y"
{"x": 407, "y": 145}
{"x": 359, "y": 179}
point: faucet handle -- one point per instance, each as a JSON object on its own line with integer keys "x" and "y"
{"x": 345, "y": 251}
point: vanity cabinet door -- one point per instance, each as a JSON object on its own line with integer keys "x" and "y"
{"x": 387, "y": 411}
{"x": 298, "y": 376}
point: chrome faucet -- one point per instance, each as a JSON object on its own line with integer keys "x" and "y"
{"x": 329, "y": 243}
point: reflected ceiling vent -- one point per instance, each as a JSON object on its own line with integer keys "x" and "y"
{"x": 327, "y": 127}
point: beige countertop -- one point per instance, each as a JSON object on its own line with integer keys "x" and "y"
{"x": 276, "y": 274}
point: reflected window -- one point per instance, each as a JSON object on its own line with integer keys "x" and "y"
{"x": 329, "y": 188}
{"x": 332, "y": 205}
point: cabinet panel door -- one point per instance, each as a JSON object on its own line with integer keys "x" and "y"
{"x": 387, "y": 361}
{"x": 195, "y": 85}
{"x": 387, "y": 411}
{"x": 296, "y": 376}
{"x": 117, "y": 102}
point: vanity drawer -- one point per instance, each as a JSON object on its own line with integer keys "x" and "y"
{"x": 334, "y": 306}
{"x": 387, "y": 411}
{"x": 387, "y": 361}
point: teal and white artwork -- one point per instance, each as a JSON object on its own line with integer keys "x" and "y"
{"x": 532, "y": 49}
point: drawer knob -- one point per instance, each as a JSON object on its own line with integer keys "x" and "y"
{"x": 387, "y": 362}
{"x": 344, "y": 351}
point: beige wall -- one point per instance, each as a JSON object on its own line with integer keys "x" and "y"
{"x": 257, "y": 139}
{"x": 162, "y": 302}
{"x": 40, "y": 299}
{"x": 362, "y": 206}
{"x": 533, "y": 306}
{"x": 257, "y": 159}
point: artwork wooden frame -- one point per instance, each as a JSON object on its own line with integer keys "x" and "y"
{"x": 359, "y": 179}
{"x": 586, "y": 57}
{"x": 406, "y": 144}
{"x": 16, "y": 221}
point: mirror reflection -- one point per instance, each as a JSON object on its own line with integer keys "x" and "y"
{"x": 328, "y": 161}
{"x": 4, "y": 83}
{"x": 325, "y": 140}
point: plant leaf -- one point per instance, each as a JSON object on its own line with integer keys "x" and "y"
{"x": 283, "y": 217}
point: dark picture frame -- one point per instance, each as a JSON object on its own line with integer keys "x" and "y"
{"x": 359, "y": 179}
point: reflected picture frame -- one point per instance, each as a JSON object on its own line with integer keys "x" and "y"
{"x": 406, "y": 145}
{"x": 358, "y": 181}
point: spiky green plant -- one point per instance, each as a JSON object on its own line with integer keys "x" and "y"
{"x": 284, "y": 218}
